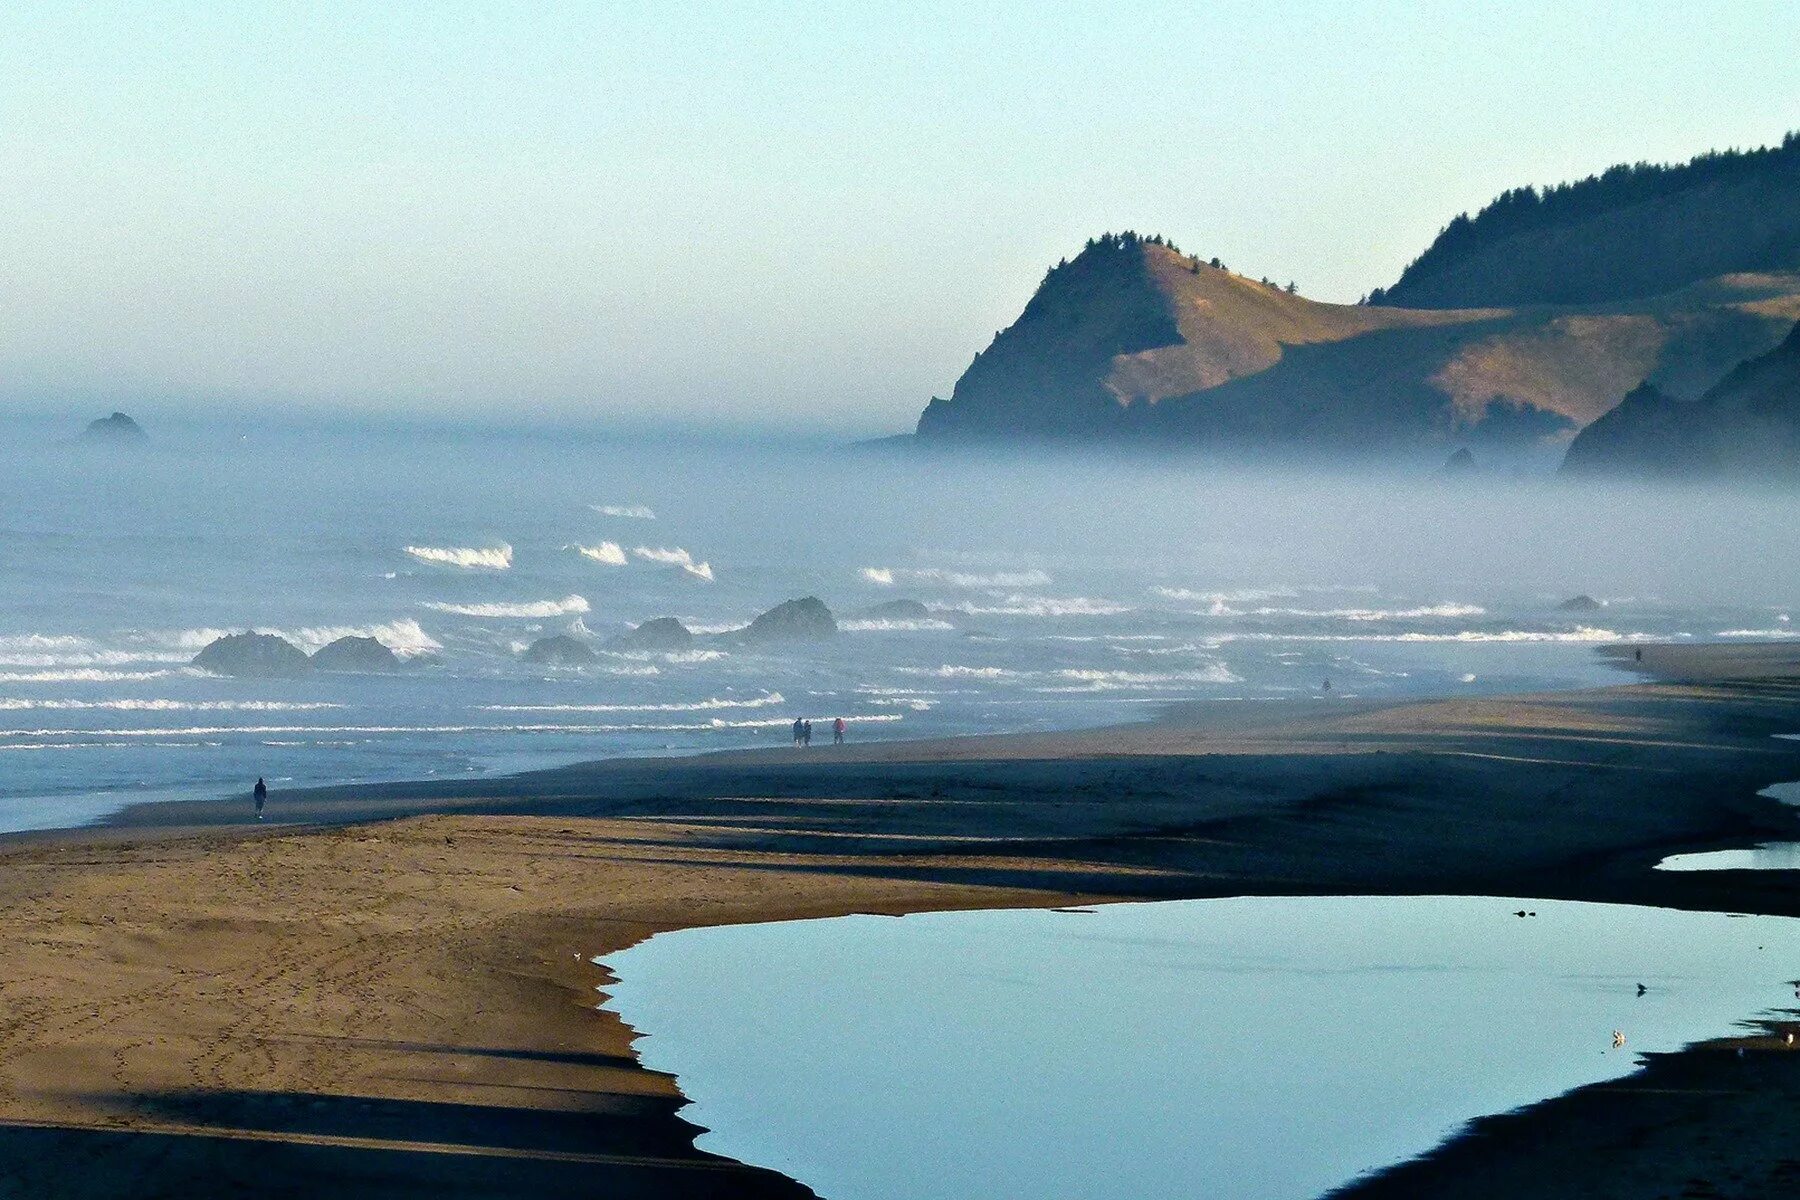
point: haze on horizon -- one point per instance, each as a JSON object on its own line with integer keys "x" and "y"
{"x": 808, "y": 217}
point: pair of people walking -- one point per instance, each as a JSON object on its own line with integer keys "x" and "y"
{"x": 803, "y": 732}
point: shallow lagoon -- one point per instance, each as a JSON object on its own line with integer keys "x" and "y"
{"x": 1252, "y": 1048}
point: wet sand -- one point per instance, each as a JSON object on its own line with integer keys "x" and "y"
{"x": 389, "y": 994}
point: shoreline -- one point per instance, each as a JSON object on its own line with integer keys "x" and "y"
{"x": 397, "y": 994}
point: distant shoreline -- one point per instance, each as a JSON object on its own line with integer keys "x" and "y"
{"x": 397, "y": 992}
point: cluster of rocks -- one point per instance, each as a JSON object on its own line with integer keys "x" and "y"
{"x": 268, "y": 656}
{"x": 254, "y": 655}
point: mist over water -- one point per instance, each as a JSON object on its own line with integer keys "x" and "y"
{"x": 1063, "y": 593}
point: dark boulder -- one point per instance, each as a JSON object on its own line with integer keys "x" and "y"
{"x": 558, "y": 650}
{"x": 253, "y": 656}
{"x": 804, "y": 620}
{"x": 664, "y": 635}
{"x": 364, "y": 654}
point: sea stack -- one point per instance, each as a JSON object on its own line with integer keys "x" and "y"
{"x": 558, "y": 650}
{"x": 116, "y": 430}
{"x": 361, "y": 654}
{"x": 253, "y": 655}
{"x": 661, "y": 635}
{"x": 803, "y": 620}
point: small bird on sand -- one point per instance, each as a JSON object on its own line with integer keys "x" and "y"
{"x": 1642, "y": 989}
{"x": 1618, "y": 1039}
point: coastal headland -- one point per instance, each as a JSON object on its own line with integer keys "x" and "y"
{"x": 387, "y": 991}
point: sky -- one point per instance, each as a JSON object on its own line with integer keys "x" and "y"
{"x": 802, "y": 216}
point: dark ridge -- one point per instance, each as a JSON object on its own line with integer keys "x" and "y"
{"x": 1631, "y": 231}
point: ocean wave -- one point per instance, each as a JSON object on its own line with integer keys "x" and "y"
{"x": 887, "y": 576}
{"x": 203, "y": 731}
{"x": 84, "y": 675}
{"x": 403, "y": 637}
{"x": 1448, "y": 610}
{"x": 676, "y": 556}
{"x": 877, "y": 625}
{"x": 135, "y": 705}
{"x": 1772, "y": 634}
{"x": 1261, "y": 595}
{"x": 491, "y": 558}
{"x": 766, "y": 700}
{"x": 1583, "y": 633}
{"x": 1047, "y": 606}
{"x": 634, "y": 512}
{"x": 954, "y": 671}
{"x": 610, "y": 553}
{"x": 567, "y": 606}
{"x": 1089, "y": 680}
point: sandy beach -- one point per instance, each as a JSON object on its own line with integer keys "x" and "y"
{"x": 386, "y": 991}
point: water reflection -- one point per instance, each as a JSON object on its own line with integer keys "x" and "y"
{"x": 1770, "y": 856}
{"x": 1254, "y": 1048}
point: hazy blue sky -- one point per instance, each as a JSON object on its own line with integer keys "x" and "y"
{"x": 798, "y": 212}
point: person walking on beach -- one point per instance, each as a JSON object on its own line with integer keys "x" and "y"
{"x": 261, "y": 792}
{"x": 799, "y": 730}
{"x": 806, "y": 733}
{"x": 837, "y": 732}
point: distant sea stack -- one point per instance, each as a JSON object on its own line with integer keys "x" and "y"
{"x": 360, "y": 654}
{"x": 558, "y": 650}
{"x": 253, "y": 656}
{"x": 116, "y": 430}
{"x": 662, "y": 635}
{"x": 1491, "y": 341}
{"x": 896, "y": 610}
{"x": 804, "y": 620}
{"x": 1583, "y": 603}
{"x": 1747, "y": 427}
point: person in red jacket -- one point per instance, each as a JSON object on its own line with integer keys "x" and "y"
{"x": 837, "y": 732}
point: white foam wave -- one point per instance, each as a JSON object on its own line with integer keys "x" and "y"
{"x": 490, "y": 558}
{"x": 389, "y": 730}
{"x": 766, "y": 700}
{"x": 953, "y": 671}
{"x": 1368, "y": 614}
{"x": 1260, "y": 595}
{"x": 633, "y": 512}
{"x": 83, "y": 675}
{"x": 1098, "y": 681}
{"x": 1772, "y": 634}
{"x": 567, "y": 606}
{"x": 676, "y": 556}
{"x": 136, "y": 705}
{"x": 1048, "y": 606}
{"x": 958, "y": 579}
{"x": 610, "y": 553}
{"x": 876, "y": 625}
{"x": 1583, "y": 633}
{"x": 403, "y": 637}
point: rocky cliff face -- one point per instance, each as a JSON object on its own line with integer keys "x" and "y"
{"x": 1748, "y": 425}
{"x": 1133, "y": 341}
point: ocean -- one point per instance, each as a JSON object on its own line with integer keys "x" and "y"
{"x": 1063, "y": 593}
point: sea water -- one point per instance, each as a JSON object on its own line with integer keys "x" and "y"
{"x": 1063, "y": 594}
{"x": 1244, "y": 1049}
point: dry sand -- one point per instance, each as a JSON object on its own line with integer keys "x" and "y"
{"x": 394, "y": 999}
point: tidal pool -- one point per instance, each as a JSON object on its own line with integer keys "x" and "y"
{"x": 1770, "y": 856}
{"x": 1255, "y": 1048}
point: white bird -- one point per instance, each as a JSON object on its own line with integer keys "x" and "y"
{"x": 1618, "y": 1039}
